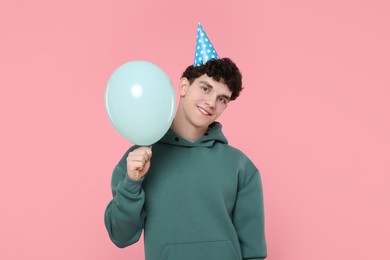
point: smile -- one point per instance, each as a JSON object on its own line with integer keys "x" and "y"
{"x": 204, "y": 112}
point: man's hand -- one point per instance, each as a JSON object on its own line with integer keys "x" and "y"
{"x": 138, "y": 162}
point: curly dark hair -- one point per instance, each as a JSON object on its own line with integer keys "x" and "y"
{"x": 222, "y": 70}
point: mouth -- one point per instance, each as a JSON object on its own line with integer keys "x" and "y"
{"x": 204, "y": 111}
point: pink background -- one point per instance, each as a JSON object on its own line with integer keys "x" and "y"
{"x": 314, "y": 117}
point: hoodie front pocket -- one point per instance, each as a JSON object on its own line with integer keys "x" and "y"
{"x": 218, "y": 250}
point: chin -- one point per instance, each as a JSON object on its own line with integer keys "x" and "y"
{"x": 201, "y": 124}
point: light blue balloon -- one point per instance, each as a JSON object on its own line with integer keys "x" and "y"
{"x": 140, "y": 102}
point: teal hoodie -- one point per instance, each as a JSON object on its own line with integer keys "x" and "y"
{"x": 200, "y": 200}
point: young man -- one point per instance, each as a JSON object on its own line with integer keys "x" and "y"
{"x": 196, "y": 198}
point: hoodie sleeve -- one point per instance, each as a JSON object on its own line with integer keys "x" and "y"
{"x": 248, "y": 216}
{"x": 124, "y": 215}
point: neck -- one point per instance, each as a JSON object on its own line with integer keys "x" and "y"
{"x": 186, "y": 130}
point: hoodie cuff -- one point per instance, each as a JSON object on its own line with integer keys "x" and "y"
{"x": 133, "y": 186}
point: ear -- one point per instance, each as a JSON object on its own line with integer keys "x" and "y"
{"x": 184, "y": 84}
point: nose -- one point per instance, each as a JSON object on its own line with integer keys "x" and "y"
{"x": 210, "y": 102}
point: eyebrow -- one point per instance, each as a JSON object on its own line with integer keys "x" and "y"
{"x": 210, "y": 86}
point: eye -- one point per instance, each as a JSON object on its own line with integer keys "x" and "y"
{"x": 223, "y": 100}
{"x": 205, "y": 89}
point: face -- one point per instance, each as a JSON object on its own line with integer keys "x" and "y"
{"x": 204, "y": 100}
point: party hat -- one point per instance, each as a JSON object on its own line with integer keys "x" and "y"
{"x": 204, "y": 50}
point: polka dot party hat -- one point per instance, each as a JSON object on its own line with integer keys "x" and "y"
{"x": 204, "y": 50}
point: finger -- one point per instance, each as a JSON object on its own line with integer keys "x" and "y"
{"x": 138, "y": 158}
{"x": 142, "y": 150}
{"x": 136, "y": 166}
{"x": 148, "y": 150}
{"x": 138, "y": 151}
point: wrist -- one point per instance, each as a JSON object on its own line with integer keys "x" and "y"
{"x": 134, "y": 176}
{"x": 133, "y": 186}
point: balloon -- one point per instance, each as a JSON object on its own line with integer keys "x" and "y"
{"x": 140, "y": 102}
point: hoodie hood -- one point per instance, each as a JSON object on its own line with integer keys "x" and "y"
{"x": 213, "y": 135}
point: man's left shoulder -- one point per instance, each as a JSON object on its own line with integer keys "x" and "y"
{"x": 238, "y": 155}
